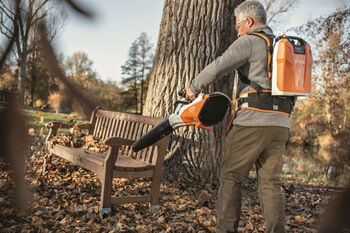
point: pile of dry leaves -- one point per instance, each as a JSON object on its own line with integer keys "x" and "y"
{"x": 66, "y": 199}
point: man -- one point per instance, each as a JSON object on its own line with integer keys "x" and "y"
{"x": 258, "y": 136}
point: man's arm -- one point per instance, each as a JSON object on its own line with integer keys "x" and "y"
{"x": 235, "y": 56}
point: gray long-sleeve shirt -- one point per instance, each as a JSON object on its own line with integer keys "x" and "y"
{"x": 248, "y": 54}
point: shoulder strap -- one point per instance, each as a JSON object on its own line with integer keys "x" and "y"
{"x": 245, "y": 80}
{"x": 269, "y": 42}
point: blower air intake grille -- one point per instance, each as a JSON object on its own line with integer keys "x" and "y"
{"x": 213, "y": 110}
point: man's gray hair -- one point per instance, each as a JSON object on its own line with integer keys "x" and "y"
{"x": 253, "y": 9}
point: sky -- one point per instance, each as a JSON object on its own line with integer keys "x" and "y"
{"x": 107, "y": 38}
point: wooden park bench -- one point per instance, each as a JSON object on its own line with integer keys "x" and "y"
{"x": 119, "y": 131}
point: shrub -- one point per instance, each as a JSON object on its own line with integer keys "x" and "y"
{"x": 39, "y": 103}
{"x": 55, "y": 101}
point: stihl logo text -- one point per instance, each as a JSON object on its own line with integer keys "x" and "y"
{"x": 299, "y": 61}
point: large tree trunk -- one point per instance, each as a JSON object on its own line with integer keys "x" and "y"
{"x": 192, "y": 34}
{"x": 22, "y": 65}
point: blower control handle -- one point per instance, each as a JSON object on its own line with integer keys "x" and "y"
{"x": 182, "y": 93}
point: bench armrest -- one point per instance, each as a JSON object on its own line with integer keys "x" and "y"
{"x": 117, "y": 141}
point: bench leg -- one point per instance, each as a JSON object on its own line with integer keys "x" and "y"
{"x": 155, "y": 193}
{"x": 153, "y": 207}
{"x": 106, "y": 180}
{"x": 105, "y": 211}
{"x": 106, "y": 191}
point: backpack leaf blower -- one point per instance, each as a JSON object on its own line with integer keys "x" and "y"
{"x": 203, "y": 112}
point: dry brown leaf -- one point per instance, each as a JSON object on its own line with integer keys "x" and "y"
{"x": 71, "y": 186}
{"x": 31, "y": 131}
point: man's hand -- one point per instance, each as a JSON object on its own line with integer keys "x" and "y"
{"x": 189, "y": 94}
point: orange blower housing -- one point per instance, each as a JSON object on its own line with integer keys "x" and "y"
{"x": 203, "y": 112}
{"x": 191, "y": 115}
{"x": 208, "y": 111}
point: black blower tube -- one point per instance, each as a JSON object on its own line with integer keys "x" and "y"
{"x": 159, "y": 131}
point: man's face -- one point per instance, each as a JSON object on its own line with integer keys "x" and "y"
{"x": 242, "y": 26}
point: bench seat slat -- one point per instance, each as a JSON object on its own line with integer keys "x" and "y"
{"x": 125, "y": 163}
{"x": 75, "y": 155}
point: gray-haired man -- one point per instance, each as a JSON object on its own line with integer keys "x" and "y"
{"x": 258, "y": 136}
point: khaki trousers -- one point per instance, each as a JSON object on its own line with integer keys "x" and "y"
{"x": 246, "y": 146}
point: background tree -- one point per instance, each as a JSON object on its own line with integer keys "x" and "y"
{"x": 276, "y": 8}
{"x": 30, "y": 13}
{"x": 323, "y": 118}
{"x": 136, "y": 69}
{"x": 79, "y": 68}
{"x": 192, "y": 34}
{"x": 130, "y": 75}
{"x": 40, "y": 82}
{"x": 8, "y": 80}
{"x": 146, "y": 61}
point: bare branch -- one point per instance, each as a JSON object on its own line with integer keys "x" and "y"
{"x": 11, "y": 40}
{"x": 33, "y": 47}
{"x": 20, "y": 24}
{"x": 7, "y": 32}
{"x": 36, "y": 20}
{"x": 38, "y": 9}
{"x": 9, "y": 37}
{"x": 282, "y": 9}
{"x": 6, "y": 10}
{"x": 269, "y": 4}
{"x": 7, "y": 52}
{"x": 277, "y": 7}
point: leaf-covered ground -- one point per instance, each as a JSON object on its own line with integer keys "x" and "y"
{"x": 66, "y": 199}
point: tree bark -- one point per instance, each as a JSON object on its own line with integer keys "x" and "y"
{"x": 192, "y": 34}
{"x": 22, "y": 65}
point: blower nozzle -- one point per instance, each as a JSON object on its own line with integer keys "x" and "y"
{"x": 159, "y": 131}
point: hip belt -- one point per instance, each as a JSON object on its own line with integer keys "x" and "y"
{"x": 263, "y": 101}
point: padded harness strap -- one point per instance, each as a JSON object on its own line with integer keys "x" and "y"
{"x": 269, "y": 43}
{"x": 265, "y": 102}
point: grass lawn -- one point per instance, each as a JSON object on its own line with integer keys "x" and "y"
{"x": 37, "y": 119}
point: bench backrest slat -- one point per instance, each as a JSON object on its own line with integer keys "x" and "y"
{"x": 105, "y": 127}
{"x": 124, "y": 125}
{"x": 143, "y": 154}
{"x": 111, "y": 128}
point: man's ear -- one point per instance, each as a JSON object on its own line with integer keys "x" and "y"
{"x": 250, "y": 21}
